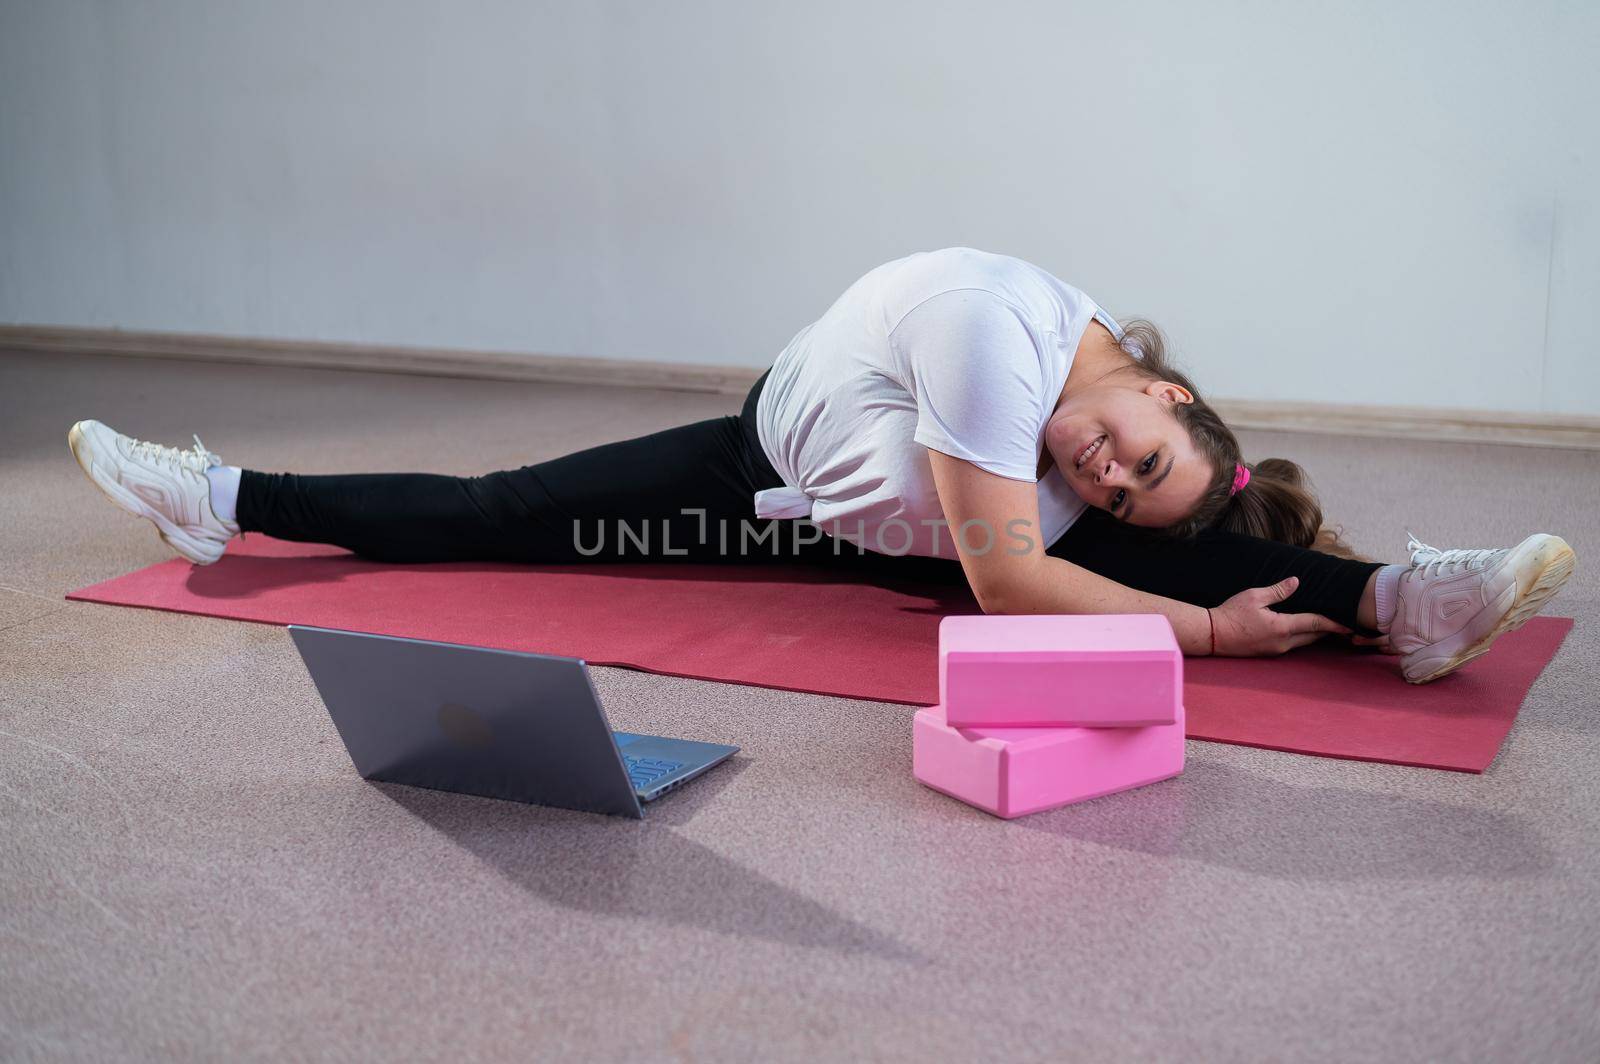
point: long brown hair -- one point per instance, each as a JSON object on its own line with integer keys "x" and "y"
{"x": 1278, "y": 503}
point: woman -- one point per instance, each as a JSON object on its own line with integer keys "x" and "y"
{"x": 952, "y": 406}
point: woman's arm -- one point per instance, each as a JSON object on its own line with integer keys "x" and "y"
{"x": 1015, "y": 575}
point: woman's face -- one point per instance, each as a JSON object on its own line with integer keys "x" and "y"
{"x": 1121, "y": 449}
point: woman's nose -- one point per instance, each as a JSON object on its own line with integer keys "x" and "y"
{"x": 1106, "y": 471}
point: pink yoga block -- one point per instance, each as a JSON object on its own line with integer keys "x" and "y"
{"x": 1013, "y": 771}
{"x": 1049, "y": 670}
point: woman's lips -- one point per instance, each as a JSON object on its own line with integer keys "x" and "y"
{"x": 1089, "y": 450}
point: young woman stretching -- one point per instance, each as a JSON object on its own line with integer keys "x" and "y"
{"x": 954, "y": 412}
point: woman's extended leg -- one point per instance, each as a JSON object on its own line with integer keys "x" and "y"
{"x": 660, "y": 497}
{"x": 1215, "y": 566}
{"x": 685, "y": 493}
{"x": 1438, "y": 612}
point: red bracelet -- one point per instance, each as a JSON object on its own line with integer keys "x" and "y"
{"x": 1213, "y": 623}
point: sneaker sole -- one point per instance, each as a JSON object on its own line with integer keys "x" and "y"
{"x": 165, "y": 530}
{"x": 1547, "y": 580}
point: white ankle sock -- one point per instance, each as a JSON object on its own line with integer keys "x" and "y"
{"x": 1383, "y": 594}
{"x": 224, "y": 492}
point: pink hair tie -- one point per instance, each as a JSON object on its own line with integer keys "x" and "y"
{"x": 1241, "y": 477}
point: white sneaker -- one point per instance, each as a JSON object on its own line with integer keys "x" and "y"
{"x": 1451, "y": 604}
{"x": 165, "y": 484}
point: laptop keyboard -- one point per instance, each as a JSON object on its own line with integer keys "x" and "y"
{"x": 643, "y": 771}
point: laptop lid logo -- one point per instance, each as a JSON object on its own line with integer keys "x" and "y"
{"x": 464, "y": 726}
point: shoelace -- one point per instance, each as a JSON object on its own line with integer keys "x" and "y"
{"x": 1431, "y": 560}
{"x": 196, "y": 459}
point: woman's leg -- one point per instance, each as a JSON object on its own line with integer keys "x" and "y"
{"x": 620, "y": 501}
{"x": 1215, "y": 566}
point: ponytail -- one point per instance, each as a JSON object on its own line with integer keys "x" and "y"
{"x": 1276, "y": 503}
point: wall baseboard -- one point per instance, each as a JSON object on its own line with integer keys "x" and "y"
{"x": 381, "y": 358}
{"x": 1419, "y": 423}
{"x": 1415, "y": 423}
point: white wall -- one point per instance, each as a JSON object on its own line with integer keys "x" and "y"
{"x": 1371, "y": 202}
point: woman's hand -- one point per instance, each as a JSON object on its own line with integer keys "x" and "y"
{"x": 1246, "y": 628}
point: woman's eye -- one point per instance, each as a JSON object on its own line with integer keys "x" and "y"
{"x": 1147, "y": 465}
{"x": 1117, "y": 500}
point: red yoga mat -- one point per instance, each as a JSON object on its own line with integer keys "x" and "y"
{"x": 836, "y": 633}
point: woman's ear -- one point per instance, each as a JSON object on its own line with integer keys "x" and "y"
{"x": 1168, "y": 392}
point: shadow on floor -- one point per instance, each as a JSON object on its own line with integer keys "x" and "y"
{"x": 1229, "y": 818}
{"x": 646, "y": 869}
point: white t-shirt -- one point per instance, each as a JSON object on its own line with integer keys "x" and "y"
{"x": 958, "y": 350}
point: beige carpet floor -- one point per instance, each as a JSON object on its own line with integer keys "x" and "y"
{"x": 190, "y": 869}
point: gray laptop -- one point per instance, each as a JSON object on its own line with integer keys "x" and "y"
{"x": 498, "y": 723}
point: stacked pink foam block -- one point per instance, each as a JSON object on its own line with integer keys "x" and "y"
{"x": 1040, "y": 711}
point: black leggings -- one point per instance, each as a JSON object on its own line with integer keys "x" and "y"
{"x": 686, "y": 494}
